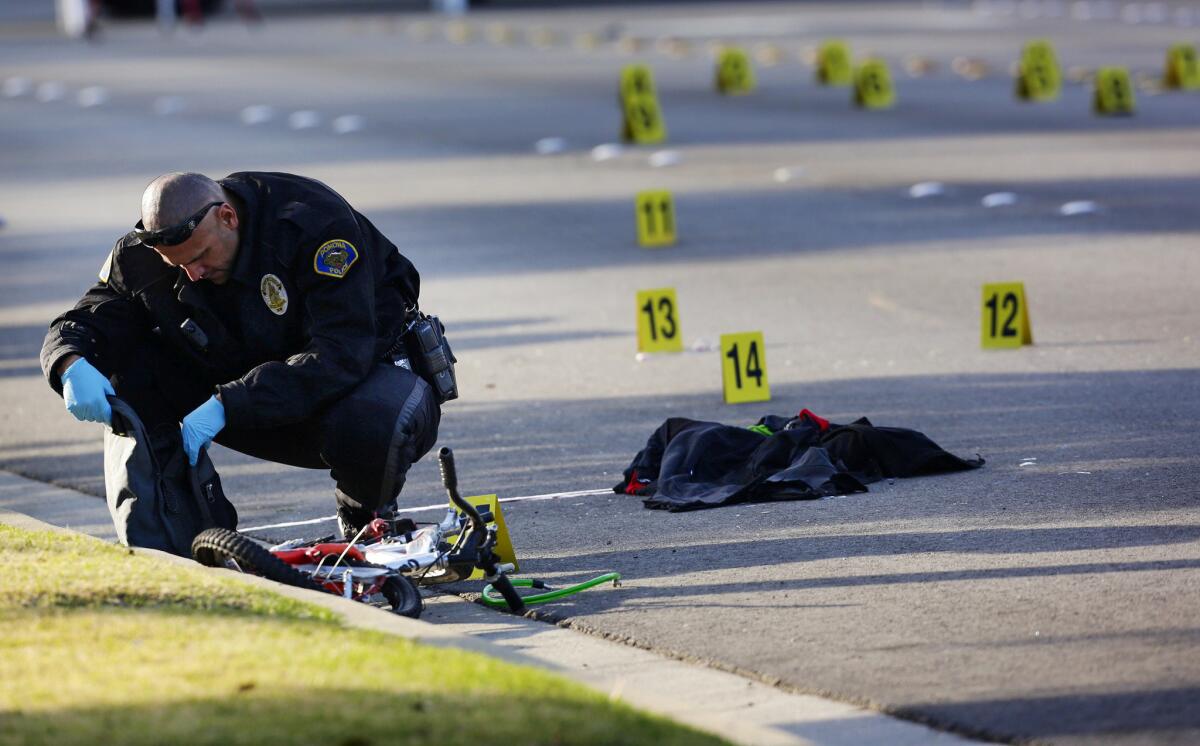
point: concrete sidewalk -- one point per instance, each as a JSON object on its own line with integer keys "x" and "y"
{"x": 737, "y": 708}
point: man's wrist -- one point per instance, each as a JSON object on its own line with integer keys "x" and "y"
{"x": 65, "y": 363}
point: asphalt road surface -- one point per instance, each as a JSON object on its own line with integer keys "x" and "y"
{"x": 1050, "y": 596}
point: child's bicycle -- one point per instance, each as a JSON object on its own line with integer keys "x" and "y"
{"x": 388, "y": 558}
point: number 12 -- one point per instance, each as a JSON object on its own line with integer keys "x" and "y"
{"x": 1009, "y": 304}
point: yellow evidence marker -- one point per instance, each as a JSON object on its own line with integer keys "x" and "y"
{"x": 641, "y": 117}
{"x": 1114, "y": 92}
{"x": 1038, "y": 74}
{"x": 744, "y": 368}
{"x": 658, "y": 321}
{"x": 833, "y": 63}
{"x": 734, "y": 74}
{"x": 873, "y": 85}
{"x": 1005, "y": 320}
{"x": 504, "y": 548}
{"x": 655, "y": 213}
{"x": 1183, "y": 72}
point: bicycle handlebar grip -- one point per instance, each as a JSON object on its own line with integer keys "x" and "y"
{"x": 515, "y": 603}
{"x": 449, "y": 473}
{"x": 450, "y": 481}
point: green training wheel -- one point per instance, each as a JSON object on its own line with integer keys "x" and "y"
{"x": 548, "y": 593}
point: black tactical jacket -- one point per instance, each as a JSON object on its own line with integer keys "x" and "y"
{"x": 315, "y": 298}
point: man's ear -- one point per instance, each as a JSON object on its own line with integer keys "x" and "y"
{"x": 228, "y": 216}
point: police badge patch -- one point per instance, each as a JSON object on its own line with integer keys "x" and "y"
{"x": 274, "y": 294}
{"x": 334, "y": 258}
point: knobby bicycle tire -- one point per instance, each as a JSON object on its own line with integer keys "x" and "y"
{"x": 212, "y": 546}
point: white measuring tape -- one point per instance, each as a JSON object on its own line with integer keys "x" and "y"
{"x": 441, "y": 506}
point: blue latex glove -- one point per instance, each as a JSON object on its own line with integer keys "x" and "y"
{"x": 86, "y": 392}
{"x": 201, "y": 426}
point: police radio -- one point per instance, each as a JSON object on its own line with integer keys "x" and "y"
{"x": 430, "y": 355}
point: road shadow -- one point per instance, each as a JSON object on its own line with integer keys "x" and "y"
{"x": 1130, "y": 433}
{"x": 509, "y": 239}
{"x": 1165, "y": 715}
{"x": 1145, "y": 426}
{"x": 21, "y": 342}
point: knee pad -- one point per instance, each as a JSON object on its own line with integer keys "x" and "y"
{"x": 372, "y": 437}
{"x": 414, "y": 434}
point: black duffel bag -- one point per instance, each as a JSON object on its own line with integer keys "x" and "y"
{"x": 156, "y": 499}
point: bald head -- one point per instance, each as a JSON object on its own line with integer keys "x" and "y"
{"x": 173, "y": 198}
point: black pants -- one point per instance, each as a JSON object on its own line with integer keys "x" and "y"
{"x": 368, "y": 439}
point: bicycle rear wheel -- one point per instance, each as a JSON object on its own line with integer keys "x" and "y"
{"x": 214, "y": 546}
{"x": 401, "y": 592}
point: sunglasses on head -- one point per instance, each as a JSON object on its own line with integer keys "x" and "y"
{"x": 176, "y": 234}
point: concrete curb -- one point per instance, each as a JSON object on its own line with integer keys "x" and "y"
{"x": 738, "y": 709}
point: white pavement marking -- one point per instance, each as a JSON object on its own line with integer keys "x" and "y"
{"x": 606, "y": 152}
{"x": 441, "y": 506}
{"x": 348, "y": 123}
{"x": 550, "y": 145}
{"x": 786, "y": 174}
{"x": 51, "y": 91}
{"x": 257, "y": 114}
{"x": 93, "y": 95}
{"x": 999, "y": 199}
{"x": 304, "y": 119}
{"x": 664, "y": 158}
{"x": 1080, "y": 207}
{"x": 15, "y": 87}
{"x": 927, "y": 189}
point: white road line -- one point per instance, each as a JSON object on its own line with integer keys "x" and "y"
{"x": 304, "y": 119}
{"x": 999, "y": 199}
{"x": 665, "y": 159}
{"x": 441, "y": 506}
{"x": 14, "y": 87}
{"x": 1081, "y": 207}
{"x": 606, "y": 152}
{"x": 550, "y": 145}
{"x": 51, "y": 91}
{"x": 256, "y": 114}
{"x": 347, "y": 123}
{"x": 926, "y": 189}
{"x": 93, "y": 95}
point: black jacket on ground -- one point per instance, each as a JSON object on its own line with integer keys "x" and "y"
{"x": 689, "y": 464}
{"x": 300, "y": 322}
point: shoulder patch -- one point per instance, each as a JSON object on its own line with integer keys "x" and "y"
{"x": 335, "y": 258}
{"x": 106, "y": 268}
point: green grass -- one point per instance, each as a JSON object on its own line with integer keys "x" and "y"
{"x": 100, "y": 646}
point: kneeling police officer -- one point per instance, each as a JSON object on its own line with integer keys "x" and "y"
{"x": 261, "y": 311}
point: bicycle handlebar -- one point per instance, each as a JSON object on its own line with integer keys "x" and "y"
{"x": 450, "y": 482}
{"x": 487, "y": 560}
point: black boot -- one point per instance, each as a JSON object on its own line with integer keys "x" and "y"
{"x": 352, "y": 520}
